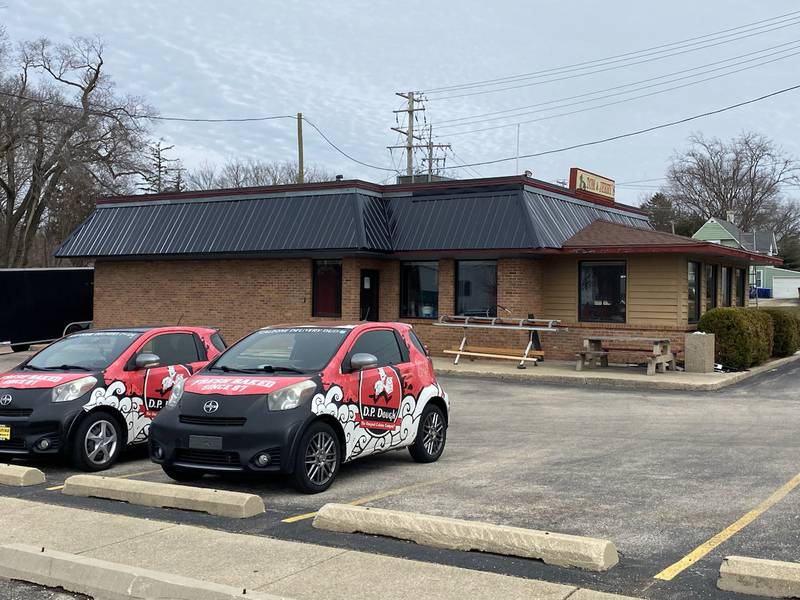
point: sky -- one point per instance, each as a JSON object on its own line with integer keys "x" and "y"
{"x": 341, "y": 63}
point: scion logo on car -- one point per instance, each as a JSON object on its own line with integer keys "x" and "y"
{"x": 211, "y": 406}
{"x": 5, "y": 399}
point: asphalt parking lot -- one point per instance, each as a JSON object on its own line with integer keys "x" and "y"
{"x": 657, "y": 473}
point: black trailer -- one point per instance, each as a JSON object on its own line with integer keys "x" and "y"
{"x": 40, "y": 305}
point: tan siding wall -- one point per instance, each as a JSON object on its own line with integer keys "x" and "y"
{"x": 560, "y": 288}
{"x": 657, "y": 290}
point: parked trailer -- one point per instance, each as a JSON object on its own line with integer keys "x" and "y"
{"x": 41, "y": 305}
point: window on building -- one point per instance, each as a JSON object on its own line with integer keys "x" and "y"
{"x": 726, "y": 286}
{"x": 711, "y": 286}
{"x": 741, "y": 284}
{"x": 602, "y": 292}
{"x": 476, "y": 288}
{"x": 694, "y": 291}
{"x": 327, "y": 288}
{"x": 419, "y": 289}
{"x": 759, "y": 278}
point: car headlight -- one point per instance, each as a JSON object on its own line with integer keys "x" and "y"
{"x": 291, "y": 396}
{"x": 175, "y": 395}
{"x": 74, "y": 389}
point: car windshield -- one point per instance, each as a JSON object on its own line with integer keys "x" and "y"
{"x": 296, "y": 349}
{"x": 89, "y": 351}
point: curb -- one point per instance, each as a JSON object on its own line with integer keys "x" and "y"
{"x": 102, "y": 579}
{"x": 455, "y": 534}
{"x": 20, "y": 476}
{"x": 221, "y": 503}
{"x": 584, "y": 594}
{"x": 609, "y": 382}
{"x": 759, "y": 577}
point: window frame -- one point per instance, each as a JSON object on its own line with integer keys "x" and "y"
{"x": 740, "y": 286}
{"x": 694, "y": 318}
{"x": 457, "y": 280}
{"x": 404, "y": 314}
{"x": 727, "y": 282}
{"x": 162, "y": 362}
{"x": 714, "y": 270}
{"x": 315, "y": 288}
{"x": 581, "y": 264}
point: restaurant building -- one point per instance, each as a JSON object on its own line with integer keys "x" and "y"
{"x": 351, "y": 250}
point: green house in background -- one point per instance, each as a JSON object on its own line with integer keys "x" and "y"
{"x": 782, "y": 283}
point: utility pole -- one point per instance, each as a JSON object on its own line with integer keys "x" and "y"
{"x": 434, "y": 160}
{"x": 300, "y": 165}
{"x": 413, "y": 102}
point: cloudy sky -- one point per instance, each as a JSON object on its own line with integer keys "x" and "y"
{"x": 340, "y": 63}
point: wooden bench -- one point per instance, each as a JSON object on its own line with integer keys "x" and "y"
{"x": 658, "y": 357}
{"x": 532, "y": 356}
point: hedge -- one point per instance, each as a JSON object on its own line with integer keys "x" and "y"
{"x": 786, "y": 322}
{"x": 743, "y": 336}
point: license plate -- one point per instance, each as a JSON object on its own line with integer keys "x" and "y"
{"x": 5, "y": 433}
{"x": 205, "y": 442}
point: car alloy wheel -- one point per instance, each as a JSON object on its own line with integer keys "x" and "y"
{"x": 433, "y": 433}
{"x": 321, "y": 458}
{"x": 100, "y": 443}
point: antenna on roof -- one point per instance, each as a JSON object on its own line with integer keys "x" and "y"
{"x": 180, "y": 319}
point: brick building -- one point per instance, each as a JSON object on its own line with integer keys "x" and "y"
{"x": 351, "y": 250}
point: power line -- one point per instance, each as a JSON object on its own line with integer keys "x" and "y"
{"x": 443, "y": 123}
{"x": 611, "y": 68}
{"x": 638, "y": 132}
{"x": 664, "y": 47}
{"x": 622, "y": 101}
{"x": 342, "y": 152}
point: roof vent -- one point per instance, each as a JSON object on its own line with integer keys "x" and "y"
{"x": 339, "y": 177}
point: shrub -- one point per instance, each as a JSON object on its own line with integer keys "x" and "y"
{"x": 786, "y": 323}
{"x": 743, "y": 336}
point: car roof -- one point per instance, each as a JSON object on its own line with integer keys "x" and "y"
{"x": 337, "y": 325}
{"x": 149, "y": 329}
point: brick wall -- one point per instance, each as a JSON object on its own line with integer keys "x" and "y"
{"x": 241, "y": 295}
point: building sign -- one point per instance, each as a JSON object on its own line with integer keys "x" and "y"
{"x": 584, "y": 181}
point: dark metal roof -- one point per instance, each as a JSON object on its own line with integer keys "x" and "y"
{"x": 486, "y": 217}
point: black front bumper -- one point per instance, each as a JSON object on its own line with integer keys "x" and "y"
{"x": 224, "y": 444}
{"x": 32, "y": 419}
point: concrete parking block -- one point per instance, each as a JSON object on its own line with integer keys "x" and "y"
{"x": 103, "y": 579}
{"x": 584, "y": 594}
{"x": 759, "y": 577}
{"x": 443, "y": 532}
{"x": 20, "y": 476}
{"x": 164, "y": 495}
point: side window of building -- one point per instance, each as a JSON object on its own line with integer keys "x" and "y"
{"x": 476, "y": 288}
{"x": 602, "y": 292}
{"x": 327, "y": 288}
{"x": 419, "y": 289}
{"x": 381, "y": 343}
{"x": 726, "y": 285}
{"x": 172, "y": 348}
{"x": 711, "y": 286}
{"x": 693, "y": 277}
{"x": 740, "y": 286}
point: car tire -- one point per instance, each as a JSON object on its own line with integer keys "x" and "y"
{"x": 431, "y": 435}
{"x": 97, "y": 442}
{"x": 179, "y": 474}
{"x": 20, "y": 347}
{"x": 319, "y": 456}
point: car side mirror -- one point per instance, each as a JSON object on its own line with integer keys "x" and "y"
{"x": 147, "y": 361}
{"x": 362, "y": 361}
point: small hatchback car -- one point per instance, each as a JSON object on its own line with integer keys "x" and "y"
{"x": 91, "y": 393}
{"x": 302, "y": 400}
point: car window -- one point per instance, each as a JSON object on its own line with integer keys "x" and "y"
{"x": 90, "y": 350}
{"x": 381, "y": 343}
{"x": 218, "y": 342}
{"x": 417, "y": 342}
{"x": 172, "y": 348}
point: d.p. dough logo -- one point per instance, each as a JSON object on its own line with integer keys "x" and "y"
{"x": 380, "y": 393}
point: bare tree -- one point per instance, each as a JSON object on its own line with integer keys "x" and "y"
{"x": 745, "y": 176}
{"x": 60, "y": 123}
{"x": 237, "y": 173}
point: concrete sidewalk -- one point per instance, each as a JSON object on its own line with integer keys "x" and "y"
{"x": 264, "y": 564}
{"x": 556, "y": 371}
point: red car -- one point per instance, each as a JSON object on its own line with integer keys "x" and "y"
{"x": 91, "y": 393}
{"x": 302, "y": 400}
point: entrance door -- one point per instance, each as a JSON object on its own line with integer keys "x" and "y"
{"x": 369, "y": 294}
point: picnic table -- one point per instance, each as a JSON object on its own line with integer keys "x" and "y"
{"x": 657, "y": 351}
